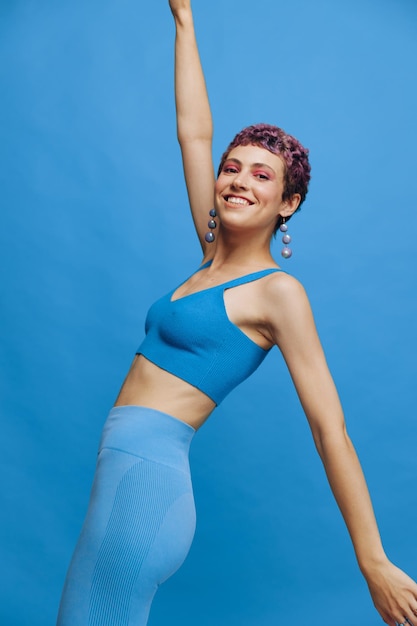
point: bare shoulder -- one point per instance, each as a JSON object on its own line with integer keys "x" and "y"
{"x": 282, "y": 288}
{"x": 286, "y": 305}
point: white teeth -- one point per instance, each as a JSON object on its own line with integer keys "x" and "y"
{"x": 234, "y": 200}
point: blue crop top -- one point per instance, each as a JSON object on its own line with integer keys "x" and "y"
{"x": 192, "y": 338}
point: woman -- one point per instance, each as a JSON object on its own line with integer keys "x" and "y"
{"x": 202, "y": 339}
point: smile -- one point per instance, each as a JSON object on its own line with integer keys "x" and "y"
{"x": 237, "y": 200}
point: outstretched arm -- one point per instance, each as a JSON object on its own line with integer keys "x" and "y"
{"x": 194, "y": 123}
{"x": 293, "y": 330}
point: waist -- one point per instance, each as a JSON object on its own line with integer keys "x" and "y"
{"x": 150, "y": 386}
{"x": 149, "y": 434}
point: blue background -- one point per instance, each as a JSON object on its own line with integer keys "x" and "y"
{"x": 94, "y": 227}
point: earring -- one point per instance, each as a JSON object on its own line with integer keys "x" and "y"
{"x": 286, "y": 252}
{"x": 210, "y": 236}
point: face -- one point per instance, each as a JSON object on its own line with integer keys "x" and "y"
{"x": 248, "y": 191}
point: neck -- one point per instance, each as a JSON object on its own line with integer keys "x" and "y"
{"x": 242, "y": 251}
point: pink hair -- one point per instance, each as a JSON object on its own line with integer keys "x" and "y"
{"x": 277, "y": 141}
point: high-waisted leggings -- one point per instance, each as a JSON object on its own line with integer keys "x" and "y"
{"x": 140, "y": 521}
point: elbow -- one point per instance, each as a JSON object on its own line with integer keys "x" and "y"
{"x": 197, "y": 136}
{"x": 330, "y": 439}
{"x": 201, "y": 132}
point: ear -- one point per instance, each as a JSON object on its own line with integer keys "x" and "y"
{"x": 290, "y": 206}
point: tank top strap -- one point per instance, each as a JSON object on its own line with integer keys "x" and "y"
{"x": 199, "y": 268}
{"x": 248, "y": 278}
{"x": 204, "y": 265}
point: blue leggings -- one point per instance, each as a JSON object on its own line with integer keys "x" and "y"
{"x": 140, "y": 521}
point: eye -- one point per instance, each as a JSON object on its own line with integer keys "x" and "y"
{"x": 261, "y": 176}
{"x": 230, "y": 169}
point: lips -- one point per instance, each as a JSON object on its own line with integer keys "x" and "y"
{"x": 237, "y": 200}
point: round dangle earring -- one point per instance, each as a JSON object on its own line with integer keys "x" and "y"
{"x": 210, "y": 236}
{"x": 286, "y": 252}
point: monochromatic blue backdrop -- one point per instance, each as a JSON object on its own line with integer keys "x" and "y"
{"x": 94, "y": 226}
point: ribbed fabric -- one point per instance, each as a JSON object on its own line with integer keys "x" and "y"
{"x": 193, "y": 338}
{"x": 140, "y": 521}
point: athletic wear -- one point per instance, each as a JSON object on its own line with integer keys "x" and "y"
{"x": 140, "y": 522}
{"x": 141, "y": 517}
{"x": 192, "y": 338}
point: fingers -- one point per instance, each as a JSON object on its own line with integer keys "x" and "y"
{"x": 405, "y": 615}
{"x": 408, "y": 621}
{"x": 411, "y": 619}
{"x": 410, "y": 614}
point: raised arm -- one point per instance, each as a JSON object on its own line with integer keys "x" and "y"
{"x": 293, "y": 330}
{"x": 194, "y": 123}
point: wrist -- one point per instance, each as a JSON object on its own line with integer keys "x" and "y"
{"x": 370, "y": 565}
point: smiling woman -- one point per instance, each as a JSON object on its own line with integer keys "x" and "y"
{"x": 294, "y": 166}
{"x": 253, "y": 177}
{"x": 203, "y": 339}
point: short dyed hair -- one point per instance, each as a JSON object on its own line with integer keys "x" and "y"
{"x": 295, "y": 157}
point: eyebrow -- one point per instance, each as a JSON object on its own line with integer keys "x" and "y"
{"x": 252, "y": 165}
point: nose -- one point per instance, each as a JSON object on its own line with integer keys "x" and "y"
{"x": 240, "y": 181}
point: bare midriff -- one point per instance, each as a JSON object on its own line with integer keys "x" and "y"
{"x": 150, "y": 386}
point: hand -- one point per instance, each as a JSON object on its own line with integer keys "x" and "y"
{"x": 394, "y": 594}
{"x": 179, "y": 5}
